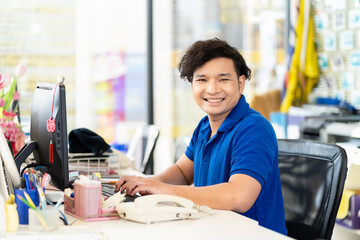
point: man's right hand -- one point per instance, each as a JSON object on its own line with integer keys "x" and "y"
{"x": 143, "y": 186}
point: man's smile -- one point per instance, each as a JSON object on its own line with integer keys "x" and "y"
{"x": 214, "y": 100}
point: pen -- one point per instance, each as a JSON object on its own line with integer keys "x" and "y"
{"x": 42, "y": 197}
{"x": 57, "y": 205}
{"x": 34, "y": 182}
{"x": 45, "y": 180}
{"x": 27, "y": 182}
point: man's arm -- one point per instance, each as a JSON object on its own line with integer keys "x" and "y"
{"x": 239, "y": 194}
{"x": 181, "y": 173}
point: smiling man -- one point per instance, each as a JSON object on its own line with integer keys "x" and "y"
{"x": 232, "y": 159}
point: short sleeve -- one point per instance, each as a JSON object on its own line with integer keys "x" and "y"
{"x": 254, "y": 151}
{"x": 190, "y": 149}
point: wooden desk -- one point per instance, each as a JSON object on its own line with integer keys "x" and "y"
{"x": 219, "y": 226}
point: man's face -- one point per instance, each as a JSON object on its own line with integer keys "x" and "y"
{"x": 216, "y": 87}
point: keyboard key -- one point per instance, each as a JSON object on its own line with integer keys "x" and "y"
{"x": 109, "y": 189}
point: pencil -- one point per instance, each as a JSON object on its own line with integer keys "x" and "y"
{"x": 26, "y": 202}
{"x": 28, "y": 198}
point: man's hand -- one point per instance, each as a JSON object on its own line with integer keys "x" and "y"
{"x": 181, "y": 173}
{"x": 144, "y": 186}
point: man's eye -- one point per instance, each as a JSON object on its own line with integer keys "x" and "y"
{"x": 200, "y": 80}
{"x": 224, "y": 79}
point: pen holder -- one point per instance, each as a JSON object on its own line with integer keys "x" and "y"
{"x": 86, "y": 204}
{"x": 22, "y": 208}
{"x": 87, "y": 200}
{"x": 46, "y": 220}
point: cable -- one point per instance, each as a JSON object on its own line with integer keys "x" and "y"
{"x": 28, "y": 166}
{"x": 51, "y": 126}
{"x": 63, "y": 218}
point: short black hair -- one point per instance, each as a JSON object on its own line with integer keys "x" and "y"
{"x": 205, "y": 50}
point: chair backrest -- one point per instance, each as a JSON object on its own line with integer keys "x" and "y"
{"x": 142, "y": 146}
{"x": 312, "y": 178}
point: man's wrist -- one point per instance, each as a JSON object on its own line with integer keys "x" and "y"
{"x": 157, "y": 178}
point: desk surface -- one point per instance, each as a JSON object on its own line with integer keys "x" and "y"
{"x": 220, "y": 225}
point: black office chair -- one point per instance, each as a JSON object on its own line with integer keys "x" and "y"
{"x": 312, "y": 178}
{"x": 142, "y": 147}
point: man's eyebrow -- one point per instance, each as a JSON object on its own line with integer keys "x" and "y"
{"x": 199, "y": 75}
{"x": 225, "y": 75}
{"x": 221, "y": 75}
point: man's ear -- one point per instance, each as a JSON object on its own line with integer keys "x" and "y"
{"x": 242, "y": 80}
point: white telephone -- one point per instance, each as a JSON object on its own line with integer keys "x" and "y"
{"x": 160, "y": 207}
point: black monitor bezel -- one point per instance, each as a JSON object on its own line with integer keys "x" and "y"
{"x": 44, "y": 100}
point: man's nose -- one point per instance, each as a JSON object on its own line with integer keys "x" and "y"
{"x": 212, "y": 87}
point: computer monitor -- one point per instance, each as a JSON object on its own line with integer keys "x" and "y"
{"x": 50, "y": 149}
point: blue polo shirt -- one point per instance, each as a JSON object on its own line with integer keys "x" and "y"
{"x": 245, "y": 143}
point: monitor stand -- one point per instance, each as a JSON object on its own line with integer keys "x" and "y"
{"x": 54, "y": 195}
{"x": 24, "y": 153}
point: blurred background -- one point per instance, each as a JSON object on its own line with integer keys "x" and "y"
{"x": 119, "y": 58}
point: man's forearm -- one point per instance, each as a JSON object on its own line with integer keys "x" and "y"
{"x": 218, "y": 196}
{"x": 172, "y": 175}
{"x": 239, "y": 194}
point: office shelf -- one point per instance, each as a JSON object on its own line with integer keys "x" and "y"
{"x": 350, "y": 130}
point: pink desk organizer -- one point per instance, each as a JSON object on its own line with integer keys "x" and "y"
{"x": 86, "y": 204}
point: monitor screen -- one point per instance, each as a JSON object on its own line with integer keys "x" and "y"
{"x": 49, "y": 141}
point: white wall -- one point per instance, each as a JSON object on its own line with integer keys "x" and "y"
{"x": 163, "y": 84}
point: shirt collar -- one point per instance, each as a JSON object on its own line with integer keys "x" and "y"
{"x": 236, "y": 114}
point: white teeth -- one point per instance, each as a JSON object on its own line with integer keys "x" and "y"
{"x": 215, "y": 100}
